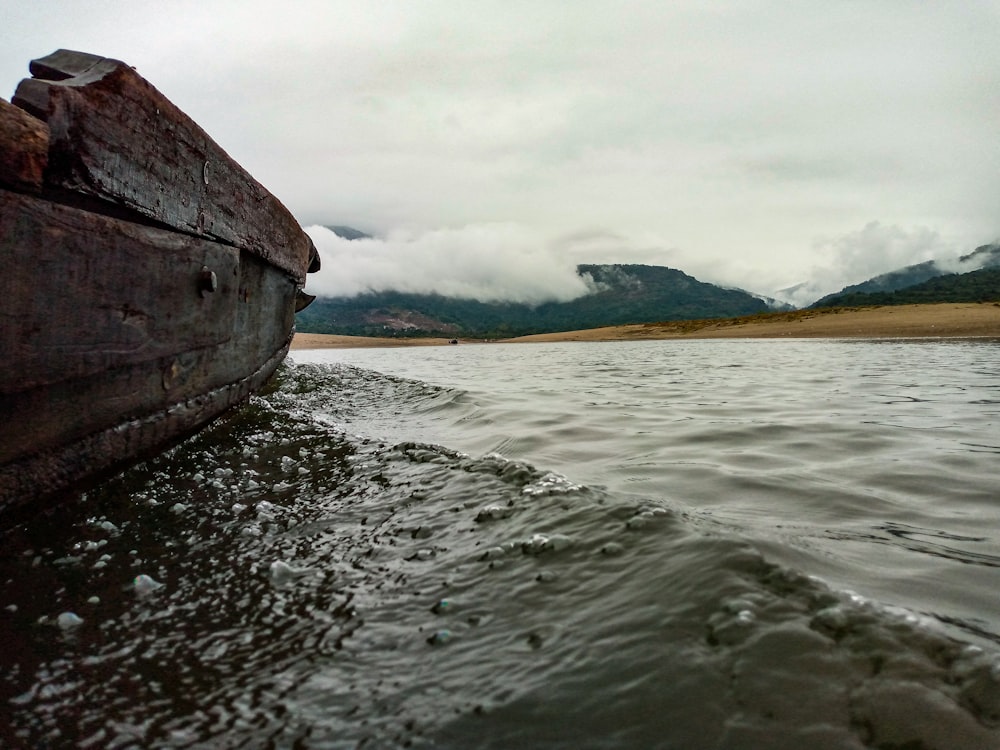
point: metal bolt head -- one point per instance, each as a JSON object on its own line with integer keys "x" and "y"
{"x": 208, "y": 282}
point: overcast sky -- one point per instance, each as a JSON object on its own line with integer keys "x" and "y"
{"x": 491, "y": 146}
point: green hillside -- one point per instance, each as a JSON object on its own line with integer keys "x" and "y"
{"x": 985, "y": 256}
{"x": 622, "y": 294}
{"x": 976, "y": 286}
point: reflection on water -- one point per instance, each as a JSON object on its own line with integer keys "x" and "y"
{"x": 707, "y": 544}
{"x": 805, "y": 440}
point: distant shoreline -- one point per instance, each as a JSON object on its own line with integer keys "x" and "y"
{"x": 958, "y": 320}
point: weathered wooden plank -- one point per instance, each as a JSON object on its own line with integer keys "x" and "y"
{"x": 63, "y": 64}
{"x": 52, "y": 468}
{"x": 149, "y": 283}
{"x": 115, "y": 137}
{"x": 24, "y": 149}
{"x": 61, "y": 413}
{"x": 84, "y": 293}
{"x": 117, "y": 355}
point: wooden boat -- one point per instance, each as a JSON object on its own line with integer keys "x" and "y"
{"x": 148, "y": 284}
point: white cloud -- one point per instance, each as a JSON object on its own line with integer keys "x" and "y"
{"x": 487, "y": 262}
{"x": 862, "y": 254}
{"x": 720, "y": 138}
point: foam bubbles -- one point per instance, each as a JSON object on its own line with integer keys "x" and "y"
{"x": 69, "y": 621}
{"x": 145, "y": 584}
{"x": 281, "y": 572}
{"x": 550, "y": 484}
{"x": 440, "y": 637}
{"x": 540, "y": 543}
{"x": 493, "y": 513}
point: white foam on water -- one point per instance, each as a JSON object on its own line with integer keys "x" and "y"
{"x": 69, "y": 620}
{"x": 145, "y": 584}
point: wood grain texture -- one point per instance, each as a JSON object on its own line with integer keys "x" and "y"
{"x": 110, "y": 333}
{"x": 64, "y": 469}
{"x": 84, "y": 293}
{"x": 116, "y": 138}
{"x": 24, "y": 149}
{"x": 149, "y": 283}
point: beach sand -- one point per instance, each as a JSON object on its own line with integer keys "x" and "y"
{"x": 962, "y": 320}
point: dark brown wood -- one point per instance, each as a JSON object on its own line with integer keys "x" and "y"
{"x": 54, "y": 470}
{"x": 84, "y": 293}
{"x": 116, "y": 138}
{"x": 24, "y": 149}
{"x": 63, "y": 64}
{"x": 142, "y": 293}
{"x": 107, "y": 332}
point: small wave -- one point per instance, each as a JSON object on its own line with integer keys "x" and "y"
{"x": 322, "y": 588}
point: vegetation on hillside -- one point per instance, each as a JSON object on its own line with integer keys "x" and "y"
{"x": 622, "y": 294}
{"x": 976, "y": 286}
{"x": 628, "y": 294}
{"x": 985, "y": 256}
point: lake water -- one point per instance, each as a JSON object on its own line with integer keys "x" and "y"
{"x": 674, "y": 544}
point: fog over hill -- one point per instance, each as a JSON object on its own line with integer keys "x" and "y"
{"x": 871, "y": 251}
{"x": 485, "y": 262}
{"x": 621, "y": 294}
{"x": 513, "y": 263}
{"x": 983, "y": 257}
{"x": 501, "y": 280}
{"x": 759, "y": 145}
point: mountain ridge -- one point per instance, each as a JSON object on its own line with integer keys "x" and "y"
{"x": 622, "y": 294}
{"x": 984, "y": 256}
{"x": 982, "y": 285}
{"x": 632, "y": 293}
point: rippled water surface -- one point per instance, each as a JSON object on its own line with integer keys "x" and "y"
{"x": 702, "y": 544}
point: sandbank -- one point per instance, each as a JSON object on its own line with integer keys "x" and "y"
{"x": 333, "y": 341}
{"x": 959, "y": 320}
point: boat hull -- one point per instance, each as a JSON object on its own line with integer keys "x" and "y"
{"x": 148, "y": 285}
{"x": 119, "y": 347}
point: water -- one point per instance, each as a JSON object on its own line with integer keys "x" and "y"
{"x": 714, "y": 544}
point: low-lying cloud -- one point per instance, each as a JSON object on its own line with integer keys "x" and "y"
{"x": 870, "y": 251}
{"x": 515, "y": 263}
{"x": 745, "y": 130}
{"x": 486, "y": 262}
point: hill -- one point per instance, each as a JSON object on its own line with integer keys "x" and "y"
{"x": 976, "y": 286}
{"x": 986, "y": 256}
{"x": 348, "y": 233}
{"x": 622, "y": 294}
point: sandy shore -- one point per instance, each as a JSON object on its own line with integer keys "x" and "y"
{"x": 331, "y": 341}
{"x": 903, "y": 321}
